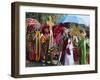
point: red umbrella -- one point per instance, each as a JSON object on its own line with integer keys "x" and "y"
{"x": 32, "y": 24}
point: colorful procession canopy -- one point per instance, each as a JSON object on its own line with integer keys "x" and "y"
{"x": 33, "y": 23}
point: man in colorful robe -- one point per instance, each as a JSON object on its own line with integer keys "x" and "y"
{"x": 44, "y": 40}
{"x": 32, "y": 25}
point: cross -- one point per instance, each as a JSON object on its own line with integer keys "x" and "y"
{"x": 51, "y": 24}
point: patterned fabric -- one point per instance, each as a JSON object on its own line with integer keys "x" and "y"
{"x": 57, "y": 31}
{"x": 31, "y": 22}
{"x": 32, "y": 25}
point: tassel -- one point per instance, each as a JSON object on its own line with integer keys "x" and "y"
{"x": 37, "y": 45}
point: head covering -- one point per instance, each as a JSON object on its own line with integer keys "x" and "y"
{"x": 45, "y": 26}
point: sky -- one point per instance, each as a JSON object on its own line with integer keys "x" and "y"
{"x": 85, "y": 18}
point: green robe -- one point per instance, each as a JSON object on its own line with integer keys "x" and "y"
{"x": 82, "y": 52}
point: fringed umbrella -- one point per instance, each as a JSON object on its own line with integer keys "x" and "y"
{"x": 33, "y": 24}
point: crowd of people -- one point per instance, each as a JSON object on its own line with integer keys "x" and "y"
{"x": 56, "y": 44}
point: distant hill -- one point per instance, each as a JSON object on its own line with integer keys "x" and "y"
{"x": 76, "y": 27}
{"x": 81, "y": 26}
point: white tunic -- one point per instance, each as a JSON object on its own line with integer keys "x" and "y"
{"x": 69, "y": 59}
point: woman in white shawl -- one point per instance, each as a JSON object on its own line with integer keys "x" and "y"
{"x": 69, "y": 59}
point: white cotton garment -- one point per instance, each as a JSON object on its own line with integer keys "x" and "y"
{"x": 69, "y": 60}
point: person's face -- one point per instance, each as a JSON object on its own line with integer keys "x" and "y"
{"x": 83, "y": 34}
{"x": 46, "y": 30}
{"x": 66, "y": 31}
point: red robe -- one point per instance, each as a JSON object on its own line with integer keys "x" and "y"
{"x": 30, "y": 49}
{"x": 75, "y": 54}
{"x": 64, "y": 51}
